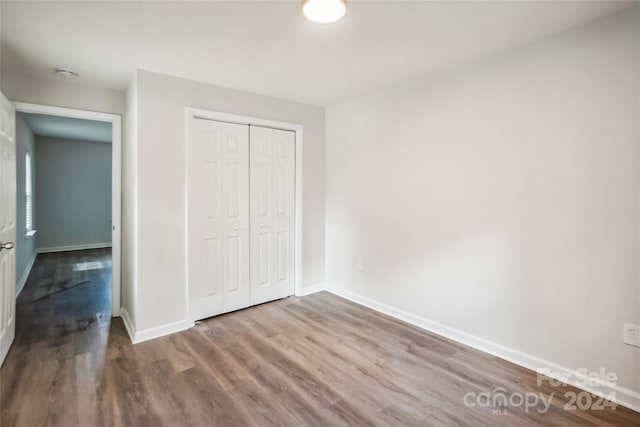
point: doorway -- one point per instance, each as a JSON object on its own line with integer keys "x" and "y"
{"x": 90, "y": 237}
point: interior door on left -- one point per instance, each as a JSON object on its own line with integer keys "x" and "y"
{"x": 7, "y": 226}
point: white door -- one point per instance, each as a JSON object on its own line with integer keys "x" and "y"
{"x": 271, "y": 227}
{"x": 218, "y": 217}
{"x": 7, "y": 226}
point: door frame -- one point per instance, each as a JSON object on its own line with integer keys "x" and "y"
{"x": 116, "y": 182}
{"x": 198, "y": 113}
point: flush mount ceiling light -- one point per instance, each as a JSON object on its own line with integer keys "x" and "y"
{"x": 324, "y": 11}
{"x": 66, "y": 73}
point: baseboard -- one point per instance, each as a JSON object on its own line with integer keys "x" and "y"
{"x": 73, "y": 247}
{"x": 25, "y": 274}
{"x": 623, "y": 396}
{"x": 128, "y": 324}
{"x": 160, "y": 331}
{"x": 312, "y": 290}
{"x": 148, "y": 334}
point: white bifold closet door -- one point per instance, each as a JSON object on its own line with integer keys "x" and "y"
{"x": 272, "y": 192}
{"x": 218, "y": 217}
{"x": 240, "y": 216}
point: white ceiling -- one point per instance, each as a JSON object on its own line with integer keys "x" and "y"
{"x": 267, "y": 47}
{"x": 68, "y": 128}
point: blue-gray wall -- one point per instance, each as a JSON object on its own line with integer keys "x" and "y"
{"x": 25, "y": 245}
{"x": 73, "y": 193}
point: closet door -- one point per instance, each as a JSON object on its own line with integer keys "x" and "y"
{"x": 218, "y": 217}
{"x": 272, "y": 192}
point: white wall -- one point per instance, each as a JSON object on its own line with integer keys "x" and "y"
{"x": 73, "y": 193}
{"x": 59, "y": 93}
{"x": 500, "y": 198}
{"x": 25, "y": 245}
{"x": 130, "y": 206}
{"x": 161, "y": 184}
{"x": 1, "y": 87}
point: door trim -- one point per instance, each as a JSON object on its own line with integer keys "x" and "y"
{"x": 197, "y": 113}
{"x": 116, "y": 181}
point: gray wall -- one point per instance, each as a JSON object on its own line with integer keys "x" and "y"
{"x": 73, "y": 191}
{"x": 25, "y": 245}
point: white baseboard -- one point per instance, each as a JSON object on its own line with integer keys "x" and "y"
{"x": 151, "y": 333}
{"x": 128, "y": 323}
{"x": 312, "y": 290}
{"x": 623, "y": 396}
{"x": 160, "y": 331}
{"x": 73, "y": 247}
{"x": 171, "y": 328}
{"x": 25, "y": 274}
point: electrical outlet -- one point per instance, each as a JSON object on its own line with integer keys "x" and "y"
{"x": 631, "y": 334}
{"x": 360, "y": 263}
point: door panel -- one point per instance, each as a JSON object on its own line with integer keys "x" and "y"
{"x": 7, "y": 226}
{"x": 212, "y": 277}
{"x": 272, "y": 192}
{"x": 264, "y": 251}
{"x": 204, "y": 219}
{"x": 218, "y": 217}
{"x": 235, "y": 224}
{"x": 283, "y": 256}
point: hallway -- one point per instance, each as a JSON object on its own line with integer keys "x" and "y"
{"x": 63, "y": 320}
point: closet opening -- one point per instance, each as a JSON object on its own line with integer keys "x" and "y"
{"x": 244, "y": 198}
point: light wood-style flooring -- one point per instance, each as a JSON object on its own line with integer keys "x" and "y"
{"x": 318, "y": 360}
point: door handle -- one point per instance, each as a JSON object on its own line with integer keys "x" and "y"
{"x": 7, "y": 246}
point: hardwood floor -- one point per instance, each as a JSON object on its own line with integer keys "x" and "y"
{"x": 312, "y": 361}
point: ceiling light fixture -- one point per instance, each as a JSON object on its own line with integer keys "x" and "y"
{"x": 66, "y": 73}
{"x": 324, "y": 11}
